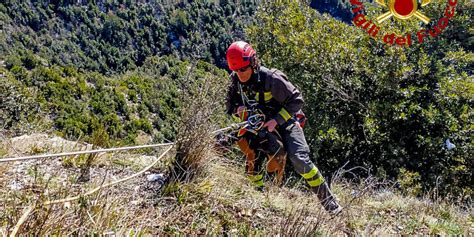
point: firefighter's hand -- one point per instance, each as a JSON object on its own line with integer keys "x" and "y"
{"x": 241, "y": 112}
{"x": 270, "y": 125}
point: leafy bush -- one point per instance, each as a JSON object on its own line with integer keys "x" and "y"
{"x": 384, "y": 108}
{"x": 18, "y": 107}
{"x": 81, "y": 104}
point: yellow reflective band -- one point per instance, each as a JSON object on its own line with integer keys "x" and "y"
{"x": 237, "y": 119}
{"x": 255, "y": 178}
{"x": 316, "y": 182}
{"x": 311, "y": 173}
{"x": 259, "y": 183}
{"x": 266, "y": 95}
{"x": 242, "y": 114}
{"x": 284, "y": 114}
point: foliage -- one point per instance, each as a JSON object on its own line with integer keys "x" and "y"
{"x": 385, "y": 108}
{"x": 82, "y": 104}
{"x": 120, "y": 66}
{"x": 339, "y": 9}
{"x": 115, "y": 36}
{"x": 111, "y": 72}
{"x": 18, "y": 106}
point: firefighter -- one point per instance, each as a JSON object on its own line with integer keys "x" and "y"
{"x": 281, "y": 102}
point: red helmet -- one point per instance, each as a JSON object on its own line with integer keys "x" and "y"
{"x": 239, "y": 54}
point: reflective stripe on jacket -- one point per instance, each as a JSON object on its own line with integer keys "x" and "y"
{"x": 282, "y": 100}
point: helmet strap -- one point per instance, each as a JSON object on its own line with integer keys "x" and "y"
{"x": 254, "y": 63}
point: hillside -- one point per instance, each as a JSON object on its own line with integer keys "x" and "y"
{"x": 115, "y": 36}
{"x": 221, "y": 202}
{"x": 390, "y": 126}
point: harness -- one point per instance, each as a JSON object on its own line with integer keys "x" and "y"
{"x": 252, "y": 139}
{"x": 255, "y": 93}
{"x": 256, "y": 114}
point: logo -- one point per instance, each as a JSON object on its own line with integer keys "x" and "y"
{"x": 402, "y": 10}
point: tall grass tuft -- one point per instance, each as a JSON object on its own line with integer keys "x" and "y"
{"x": 203, "y": 100}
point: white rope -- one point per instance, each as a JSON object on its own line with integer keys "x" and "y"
{"x": 32, "y": 207}
{"x": 10, "y": 159}
{"x": 233, "y": 126}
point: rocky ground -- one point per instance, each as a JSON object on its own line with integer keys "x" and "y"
{"x": 220, "y": 202}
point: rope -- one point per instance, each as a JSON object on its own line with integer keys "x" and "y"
{"x": 233, "y": 126}
{"x": 22, "y": 220}
{"x": 10, "y": 159}
{"x": 31, "y": 208}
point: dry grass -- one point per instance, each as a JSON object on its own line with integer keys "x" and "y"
{"x": 220, "y": 202}
{"x": 34, "y": 182}
{"x": 202, "y": 100}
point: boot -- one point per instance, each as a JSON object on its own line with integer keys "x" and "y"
{"x": 327, "y": 199}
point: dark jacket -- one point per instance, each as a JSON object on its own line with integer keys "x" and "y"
{"x": 280, "y": 100}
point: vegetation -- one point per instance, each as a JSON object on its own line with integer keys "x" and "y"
{"x": 78, "y": 104}
{"x": 112, "y": 73}
{"x": 388, "y": 109}
{"x": 339, "y": 9}
{"x": 218, "y": 203}
{"x": 116, "y": 36}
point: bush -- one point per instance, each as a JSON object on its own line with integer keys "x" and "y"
{"x": 18, "y": 108}
{"x": 384, "y": 108}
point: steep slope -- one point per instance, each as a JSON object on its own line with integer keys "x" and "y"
{"x": 218, "y": 203}
{"x": 116, "y": 36}
{"x": 89, "y": 72}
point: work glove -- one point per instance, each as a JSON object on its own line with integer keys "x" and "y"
{"x": 270, "y": 125}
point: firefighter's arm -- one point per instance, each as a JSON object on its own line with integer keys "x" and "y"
{"x": 288, "y": 96}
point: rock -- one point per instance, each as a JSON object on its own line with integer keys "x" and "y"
{"x": 160, "y": 178}
{"x": 109, "y": 233}
{"x": 15, "y": 185}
